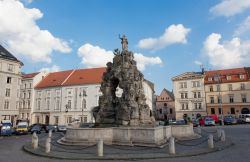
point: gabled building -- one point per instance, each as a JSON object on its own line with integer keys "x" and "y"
{"x": 165, "y": 106}
{"x": 228, "y": 91}
{"x": 10, "y": 81}
{"x": 67, "y": 96}
{"x": 27, "y": 99}
{"x": 189, "y": 95}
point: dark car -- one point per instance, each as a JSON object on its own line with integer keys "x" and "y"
{"x": 228, "y": 120}
{"x": 50, "y": 127}
{"x": 6, "y": 130}
{"x": 33, "y": 125}
{"x": 37, "y": 128}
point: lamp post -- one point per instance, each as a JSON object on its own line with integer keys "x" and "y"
{"x": 82, "y": 94}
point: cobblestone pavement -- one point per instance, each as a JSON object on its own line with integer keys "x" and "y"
{"x": 11, "y": 149}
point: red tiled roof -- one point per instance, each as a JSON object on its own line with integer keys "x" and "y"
{"x": 72, "y": 77}
{"x": 54, "y": 79}
{"x": 222, "y": 74}
{"x": 85, "y": 76}
{"x": 31, "y": 75}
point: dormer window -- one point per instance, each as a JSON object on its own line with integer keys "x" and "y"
{"x": 229, "y": 77}
{"x": 210, "y": 79}
{"x": 242, "y": 77}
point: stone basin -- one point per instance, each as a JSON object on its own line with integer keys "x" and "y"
{"x": 132, "y": 136}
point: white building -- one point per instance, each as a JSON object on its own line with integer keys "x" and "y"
{"x": 10, "y": 80}
{"x": 27, "y": 100}
{"x": 189, "y": 94}
{"x": 62, "y": 97}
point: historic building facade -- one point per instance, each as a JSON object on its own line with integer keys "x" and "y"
{"x": 10, "y": 81}
{"x": 67, "y": 96}
{"x": 228, "y": 91}
{"x": 189, "y": 95}
{"x": 27, "y": 101}
{"x": 165, "y": 106}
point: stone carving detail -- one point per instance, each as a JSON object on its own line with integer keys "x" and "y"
{"x": 130, "y": 109}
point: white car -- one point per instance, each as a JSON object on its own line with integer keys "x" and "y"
{"x": 209, "y": 122}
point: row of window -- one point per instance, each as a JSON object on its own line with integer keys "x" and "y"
{"x": 230, "y": 87}
{"x": 230, "y": 99}
{"x": 196, "y": 105}
{"x": 218, "y": 79}
{"x": 195, "y": 95}
{"x": 194, "y": 84}
{"x": 69, "y": 119}
{"x": 232, "y": 110}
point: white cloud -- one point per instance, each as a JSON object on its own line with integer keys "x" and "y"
{"x": 243, "y": 28}
{"x": 230, "y": 7}
{"x": 94, "y": 56}
{"x": 198, "y": 62}
{"x": 173, "y": 34}
{"x": 54, "y": 68}
{"x": 19, "y": 31}
{"x": 228, "y": 54}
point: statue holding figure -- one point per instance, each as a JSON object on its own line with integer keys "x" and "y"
{"x": 124, "y": 42}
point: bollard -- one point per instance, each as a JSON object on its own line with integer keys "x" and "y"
{"x": 219, "y": 133}
{"x": 100, "y": 148}
{"x": 34, "y": 141}
{"x": 199, "y": 129}
{"x": 171, "y": 146}
{"x": 50, "y": 133}
{"x": 223, "y": 136}
{"x": 47, "y": 145}
{"x": 210, "y": 141}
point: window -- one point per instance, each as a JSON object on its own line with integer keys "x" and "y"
{"x": 8, "y": 80}
{"x": 85, "y": 119}
{"x": 48, "y": 104}
{"x": 196, "y": 84}
{"x": 232, "y": 110}
{"x": 28, "y": 104}
{"x": 160, "y": 110}
{"x": 220, "y": 112}
{"x": 211, "y": 88}
{"x": 84, "y": 104}
{"x": 195, "y": 106}
{"x": 56, "y": 119}
{"x": 199, "y": 106}
{"x": 30, "y": 85}
{"x": 186, "y": 106}
{"x": 28, "y": 114}
{"x": 57, "y": 104}
{"x": 24, "y": 86}
{"x": 211, "y": 99}
{"x": 69, "y": 104}
{"x": 199, "y": 94}
{"x": 171, "y": 111}
{"x": 182, "y": 106}
{"x": 182, "y": 95}
{"x": 10, "y": 67}
{"x": 242, "y": 77}
{"x": 29, "y": 94}
{"x": 165, "y": 104}
{"x": 69, "y": 119}
{"x": 37, "y": 119}
{"x": 48, "y": 93}
{"x": 229, "y": 77}
{"x": 38, "y": 104}
{"x": 210, "y": 79}
{"x": 244, "y": 98}
{"x": 186, "y": 95}
{"x": 7, "y": 92}
{"x": 230, "y": 87}
{"x": 22, "y": 115}
{"x": 219, "y": 99}
{"x": 183, "y": 85}
{"x": 6, "y": 104}
{"x": 24, "y": 95}
{"x": 212, "y": 111}
{"x": 231, "y": 98}
{"x": 195, "y": 96}
{"x": 216, "y": 78}
{"x": 242, "y": 86}
{"x": 218, "y": 87}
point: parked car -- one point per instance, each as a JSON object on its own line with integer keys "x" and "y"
{"x": 244, "y": 118}
{"x": 61, "y": 128}
{"x": 36, "y": 128}
{"x": 215, "y": 117}
{"x": 50, "y": 127}
{"x": 177, "y": 122}
{"x": 21, "y": 129}
{"x": 6, "y": 129}
{"x": 33, "y": 125}
{"x": 209, "y": 122}
{"x": 230, "y": 120}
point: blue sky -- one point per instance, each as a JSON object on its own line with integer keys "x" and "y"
{"x": 169, "y": 37}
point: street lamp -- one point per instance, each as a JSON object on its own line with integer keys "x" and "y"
{"x": 83, "y": 94}
{"x": 220, "y": 97}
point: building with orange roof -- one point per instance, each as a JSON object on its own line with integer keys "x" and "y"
{"x": 67, "y": 96}
{"x": 227, "y": 91}
{"x": 10, "y": 80}
{"x": 27, "y": 99}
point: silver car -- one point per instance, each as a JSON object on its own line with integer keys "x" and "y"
{"x": 209, "y": 122}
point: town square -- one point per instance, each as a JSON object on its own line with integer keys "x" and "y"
{"x": 124, "y": 80}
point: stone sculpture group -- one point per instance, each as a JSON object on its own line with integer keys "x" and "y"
{"x": 130, "y": 109}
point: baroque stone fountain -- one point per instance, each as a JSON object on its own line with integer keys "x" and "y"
{"x": 130, "y": 109}
{"x": 125, "y": 120}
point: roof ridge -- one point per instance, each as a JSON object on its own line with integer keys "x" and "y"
{"x": 68, "y": 77}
